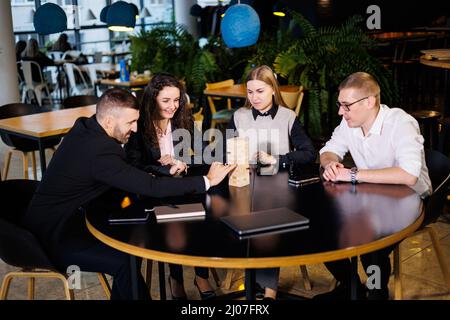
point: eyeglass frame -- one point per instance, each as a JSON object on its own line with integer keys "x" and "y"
{"x": 346, "y": 106}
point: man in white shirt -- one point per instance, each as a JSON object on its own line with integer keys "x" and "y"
{"x": 386, "y": 147}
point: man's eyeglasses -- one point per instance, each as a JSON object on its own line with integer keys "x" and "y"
{"x": 347, "y": 106}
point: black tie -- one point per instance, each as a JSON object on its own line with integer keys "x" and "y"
{"x": 265, "y": 114}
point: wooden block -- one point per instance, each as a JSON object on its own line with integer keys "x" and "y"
{"x": 237, "y": 153}
{"x": 240, "y": 176}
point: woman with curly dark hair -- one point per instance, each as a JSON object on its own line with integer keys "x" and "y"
{"x": 164, "y": 114}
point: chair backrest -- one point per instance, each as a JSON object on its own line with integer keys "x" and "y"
{"x": 56, "y": 55}
{"x": 16, "y": 110}
{"x": 20, "y": 71}
{"x": 70, "y": 70}
{"x": 217, "y": 85}
{"x": 92, "y": 72}
{"x": 439, "y": 171}
{"x": 27, "y": 67}
{"x": 18, "y": 246}
{"x": 73, "y": 54}
{"x": 293, "y": 98}
{"x": 79, "y": 101}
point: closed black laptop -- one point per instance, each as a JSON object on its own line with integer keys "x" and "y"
{"x": 265, "y": 220}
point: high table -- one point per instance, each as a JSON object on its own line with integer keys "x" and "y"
{"x": 345, "y": 222}
{"x": 445, "y": 65}
{"x": 42, "y": 126}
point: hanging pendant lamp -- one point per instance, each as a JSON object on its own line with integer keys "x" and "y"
{"x": 121, "y": 16}
{"x": 50, "y": 18}
{"x": 240, "y": 26}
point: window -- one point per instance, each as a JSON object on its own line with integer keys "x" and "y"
{"x": 22, "y": 14}
{"x": 84, "y": 20}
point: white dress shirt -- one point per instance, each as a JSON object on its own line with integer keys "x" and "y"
{"x": 394, "y": 140}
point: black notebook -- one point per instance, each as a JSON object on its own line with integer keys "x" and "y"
{"x": 131, "y": 214}
{"x": 265, "y": 221}
{"x": 303, "y": 175}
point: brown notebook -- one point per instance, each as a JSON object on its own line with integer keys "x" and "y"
{"x": 179, "y": 211}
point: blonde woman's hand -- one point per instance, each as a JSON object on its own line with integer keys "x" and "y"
{"x": 266, "y": 158}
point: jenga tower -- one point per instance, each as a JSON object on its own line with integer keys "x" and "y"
{"x": 237, "y": 153}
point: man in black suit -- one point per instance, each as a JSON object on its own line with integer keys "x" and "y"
{"x": 89, "y": 161}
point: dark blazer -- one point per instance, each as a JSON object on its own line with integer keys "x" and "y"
{"x": 145, "y": 156}
{"x": 87, "y": 163}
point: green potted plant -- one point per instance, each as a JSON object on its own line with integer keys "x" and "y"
{"x": 172, "y": 49}
{"x": 321, "y": 59}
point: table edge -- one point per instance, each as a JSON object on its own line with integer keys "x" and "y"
{"x": 246, "y": 263}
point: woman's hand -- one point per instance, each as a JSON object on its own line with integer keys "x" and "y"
{"x": 178, "y": 168}
{"x": 265, "y": 158}
{"x": 167, "y": 160}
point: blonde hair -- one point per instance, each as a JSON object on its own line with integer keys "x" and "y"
{"x": 32, "y": 49}
{"x": 364, "y": 82}
{"x": 265, "y": 74}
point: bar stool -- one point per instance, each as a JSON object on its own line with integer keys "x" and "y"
{"x": 429, "y": 124}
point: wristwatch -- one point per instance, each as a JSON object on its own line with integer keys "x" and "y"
{"x": 353, "y": 172}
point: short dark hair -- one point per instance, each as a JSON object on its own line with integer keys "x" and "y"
{"x": 115, "y": 98}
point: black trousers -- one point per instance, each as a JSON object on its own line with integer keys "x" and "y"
{"x": 98, "y": 257}
{"x": 341, "y": 269}
{"x": 176, "y": 272}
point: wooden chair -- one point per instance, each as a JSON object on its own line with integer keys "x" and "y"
{"x": 439, "y": 171}
{"x": 293, "y": 98}
{"x": 20, "y": 248}
{"x": 221, "y": 116}
{"x": 25, "y": 147}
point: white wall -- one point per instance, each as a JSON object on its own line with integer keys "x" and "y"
{"x": 183, "y": 16}
{"x": 9, "y": 89}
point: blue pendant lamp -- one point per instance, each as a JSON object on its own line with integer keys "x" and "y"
{"x": 240, "y": 26}
{"x": 103, "y": 13}
{"x": 50, "y": 18}
{"x": 121, "y": 17}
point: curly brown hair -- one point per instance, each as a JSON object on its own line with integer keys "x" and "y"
{"x": 182, "y": 118}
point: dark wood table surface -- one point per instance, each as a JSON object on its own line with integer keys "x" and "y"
{"x": 345, "y": 221}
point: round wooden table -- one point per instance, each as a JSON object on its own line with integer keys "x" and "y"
{"x": 345, "y": 222}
